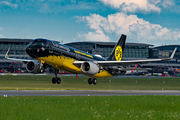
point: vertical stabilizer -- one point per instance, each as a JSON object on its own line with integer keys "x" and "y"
{"x": 117, "y": 52}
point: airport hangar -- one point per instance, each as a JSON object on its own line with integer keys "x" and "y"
{"x": 132, "y": 51}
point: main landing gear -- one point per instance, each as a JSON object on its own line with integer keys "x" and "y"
{"x": 56, "y": 79}
{"x": 92, "y": 80}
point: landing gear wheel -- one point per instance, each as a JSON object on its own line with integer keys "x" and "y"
{"x": 94, "y": 81}
{"x": 53, "y": 80}
{"x": 90, "y": 81}
{"x": 58, "y": 80}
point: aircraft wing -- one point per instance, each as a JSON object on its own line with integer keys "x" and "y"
{"x": 115, "y": 63}
{"x": 22, "y": 60}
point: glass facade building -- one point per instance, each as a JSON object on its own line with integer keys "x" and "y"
{"x": 165, "y": 51}
{"x": 17, "y": 47}
{"x": 136, "y": 50}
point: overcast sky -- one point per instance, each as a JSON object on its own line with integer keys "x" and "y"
{"x": 154, "y": 22}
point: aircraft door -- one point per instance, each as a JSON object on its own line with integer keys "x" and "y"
{"x": 50, "y": 47}
{"x": 77, "y": 56}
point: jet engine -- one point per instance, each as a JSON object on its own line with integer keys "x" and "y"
{"x": 89, "y": 68}
{"x": 34, "y": 67}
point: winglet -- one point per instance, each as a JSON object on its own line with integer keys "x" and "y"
{"x": 7, "y": 56}
{"x": 172, "y": 55}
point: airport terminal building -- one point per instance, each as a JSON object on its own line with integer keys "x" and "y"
{"x": 132, "y": 51}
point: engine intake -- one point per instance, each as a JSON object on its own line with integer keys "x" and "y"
{"x": 89, "y": 68}
{"x": 33, "y": 67}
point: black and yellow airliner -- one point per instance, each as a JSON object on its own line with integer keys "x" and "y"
{"x": 61, "y": 57}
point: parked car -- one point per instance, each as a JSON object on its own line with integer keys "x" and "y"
{"x": 18, "y": 71}
{"x": 5, "y": 71}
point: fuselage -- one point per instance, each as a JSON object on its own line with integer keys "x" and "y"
{"x": 62, "y": 57}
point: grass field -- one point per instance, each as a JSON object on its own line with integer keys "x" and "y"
{"x": 70, "y": 83}
{"x": 90, "y": 108}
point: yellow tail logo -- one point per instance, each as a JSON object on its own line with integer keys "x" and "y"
{"x": 118, "y": 53}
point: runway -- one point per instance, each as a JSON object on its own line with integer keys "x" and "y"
{"x": 87, "y": 92}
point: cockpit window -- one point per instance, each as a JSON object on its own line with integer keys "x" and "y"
{"x": 41, "y": 43}
{"x": 31, "y": 42}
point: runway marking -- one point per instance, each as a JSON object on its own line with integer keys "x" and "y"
{"x": 87, "y": 92}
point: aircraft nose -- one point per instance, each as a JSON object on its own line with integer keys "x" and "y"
{"x": 28, "y": 49}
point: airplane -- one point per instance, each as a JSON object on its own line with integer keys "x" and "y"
{"x": 136, "y": 70}
{"x": 131, "y": 71}
{"x": 48, "y": 53}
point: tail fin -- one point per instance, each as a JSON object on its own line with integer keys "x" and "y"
{"x": 136, "y": 66}
{"x": 117, "y": 52}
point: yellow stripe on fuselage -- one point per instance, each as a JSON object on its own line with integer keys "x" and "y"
{"x": 66, "y": 64}
{"x": 83, "y": 53}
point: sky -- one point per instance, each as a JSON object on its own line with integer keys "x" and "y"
{"x": 155, "y": 22}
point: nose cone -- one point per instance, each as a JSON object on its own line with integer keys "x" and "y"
{"x": 30, "y": 51}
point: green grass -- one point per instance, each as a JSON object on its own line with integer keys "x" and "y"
{"x": 70, "y": 83}
{"x": 90, "y": 108}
